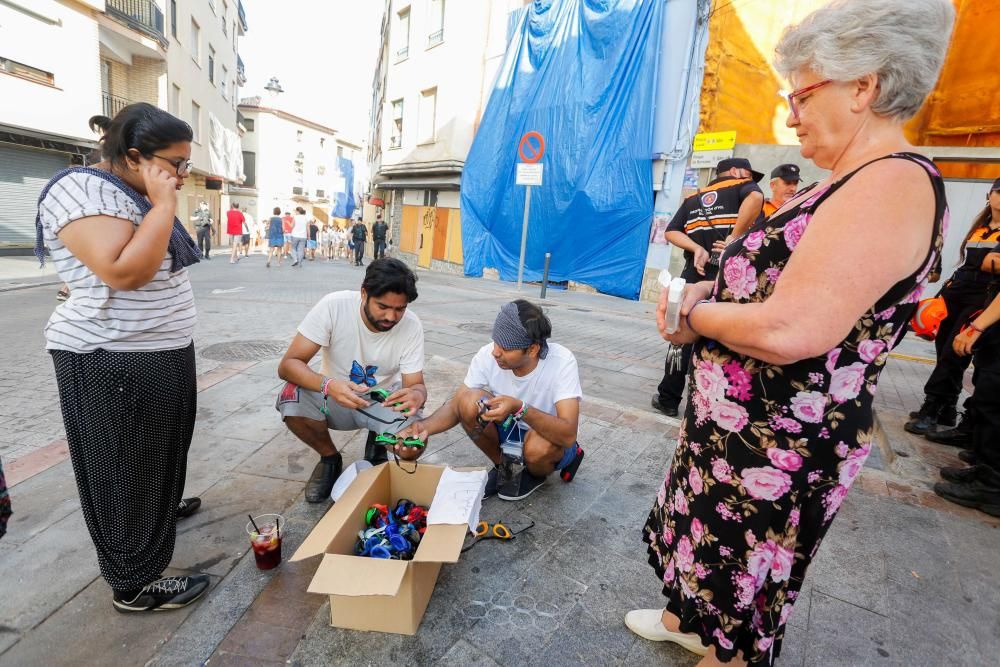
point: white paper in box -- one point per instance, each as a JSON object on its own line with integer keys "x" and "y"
{"x": 458, "y": 498}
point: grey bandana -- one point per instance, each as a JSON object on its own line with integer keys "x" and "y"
{"x": 509, "y": 333}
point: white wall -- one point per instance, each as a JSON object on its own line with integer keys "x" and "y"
{"x": 63, "y": 108}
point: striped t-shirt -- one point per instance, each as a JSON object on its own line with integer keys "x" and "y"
{"x": 160, "y": 315}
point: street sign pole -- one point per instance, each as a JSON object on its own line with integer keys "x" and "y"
{"x": 524, "y": 236}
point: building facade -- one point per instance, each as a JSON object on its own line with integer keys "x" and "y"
{"x": 180, "y": 55}
{"x": 432, "y": 80}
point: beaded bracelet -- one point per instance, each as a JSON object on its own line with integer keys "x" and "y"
{"x": 519, "y": 415}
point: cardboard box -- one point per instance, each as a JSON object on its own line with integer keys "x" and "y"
{"x": 372, "y": 593}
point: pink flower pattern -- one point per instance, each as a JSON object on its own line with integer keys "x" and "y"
{"x": 767, "y": 454}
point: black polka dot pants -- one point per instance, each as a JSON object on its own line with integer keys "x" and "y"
{"x": 129, "y": 417}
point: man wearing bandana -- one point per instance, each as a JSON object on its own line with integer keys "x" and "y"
{"x": 369, "y": 340}
{"x": 519, "y": 404}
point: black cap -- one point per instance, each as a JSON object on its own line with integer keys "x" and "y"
{"x": 996, "y": 185}
{"x": 787, "y": 172}
{"x": 739, "y": 163}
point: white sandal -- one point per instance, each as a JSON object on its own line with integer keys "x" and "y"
{"x": 648, "y": 624}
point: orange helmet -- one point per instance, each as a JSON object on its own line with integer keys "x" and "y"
{"x": 928, "y": 317}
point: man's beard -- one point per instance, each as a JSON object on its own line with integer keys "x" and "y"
{"x": 380, "y": 325}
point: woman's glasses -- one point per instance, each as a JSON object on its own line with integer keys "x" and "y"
{"x": 182, "y": 166}
{"x": 793, "y": 105}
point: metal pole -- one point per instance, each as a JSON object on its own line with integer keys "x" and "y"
{"x": 545, "y": 274}
{"x": 524, "y": 237}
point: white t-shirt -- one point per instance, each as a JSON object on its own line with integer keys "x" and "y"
{"x": 300, "y": 226}
{"x": 160, "y": 315}
{"x": 335, "y": 323}
{"x": 555, "y": 378}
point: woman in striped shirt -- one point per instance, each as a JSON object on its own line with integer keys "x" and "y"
{"x": 122, "y": 347}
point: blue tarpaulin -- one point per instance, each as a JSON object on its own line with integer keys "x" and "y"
{"x": 343, "y": 202}
{"x": 582, "y": 73}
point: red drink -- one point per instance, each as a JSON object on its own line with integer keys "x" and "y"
{"x": 266, "y": 542}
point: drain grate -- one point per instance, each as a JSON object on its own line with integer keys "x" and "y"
{"x": 245, "y": 350}
{"x": 477, "y": 327}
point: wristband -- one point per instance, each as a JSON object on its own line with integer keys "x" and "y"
{"x": 326, "y": 386}
{"x": 519, "y": 415}
{"x": 696, "y": 304}
{"x": 972, "y": 325}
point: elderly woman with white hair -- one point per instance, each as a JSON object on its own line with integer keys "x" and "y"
{"x": 790, "y": 340}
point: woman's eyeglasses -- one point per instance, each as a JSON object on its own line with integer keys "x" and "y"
{"x": 182, "y": 166}
{"x": 793, "y": 105}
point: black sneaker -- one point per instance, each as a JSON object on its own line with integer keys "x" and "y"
{"x": 520, "y": 486}
{"x": 947, "y": 415}
{"x": 975, "y": 494}
{"x": 952, "y": 437}
{"x": 926, "y": 418}
{"x": 960, "y": 475}
{"x": 375, "y": 454}
{"x": 569, "y": 472}
{"x": 187, "y": 507}
{"x": 666, "y": 407}
{"x": 164, "y": 594}
{"x": 492, "y": 483}
{"x": 968, "y": 456}
{"x": 322, "y": 478}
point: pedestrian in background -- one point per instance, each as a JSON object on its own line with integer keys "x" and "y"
{"x": 313, "y": 242}
{"x": 784, "y": 183}
{"x": 234, "y": 228}
{"x": 791, "y": 339}
{"x": 340, "y": 240}
{"x": 202, "y": 220}
{"x": 287, "y": 223}
{"x": 709, "y": 216}
{"x": 326, "y": 241}
{"x": 122, "y": 348}
{"x": 250, "y": 236}
{"x": 275, "y": 237}
{"x": 359, "y": 234}
{"x": 964, "y": 293}
{"x": 379, "y": 232}
{"x": 300, "y": 234}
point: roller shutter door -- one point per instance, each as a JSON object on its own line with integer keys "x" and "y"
{"x": 23, "y": 174}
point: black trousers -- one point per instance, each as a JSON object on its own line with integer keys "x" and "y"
{"x": 359, "y": 251}
{"x": 945, "y": 383}
{"x": 985, "y": 411}
{"x": 205, "y": 241}
{"x": 379, "y": 248}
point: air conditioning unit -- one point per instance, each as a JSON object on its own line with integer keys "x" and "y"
{"x": 321, "y": 193}
{"x": 298, "y": 190}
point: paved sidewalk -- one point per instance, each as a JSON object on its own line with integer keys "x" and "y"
{"x": 900, "y": 580}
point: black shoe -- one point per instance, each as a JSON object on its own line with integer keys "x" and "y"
{"x": 187, "y": 507}
{"x": 953, "y": 437}
{"x": 947, "y": 415}
{"x": 924, "y": 419}
{"x": 975, "y": 494}
{"x": 569, "y": 472}
{"x": 492, "y": 483}
{"x": 322, "y": 478}
{"x": 968, "y": 456}
{"x": 374, "y": 453}
{"x": 520, "y": 486}
{"x": 163, "y": 594}
{"x": 960, "y": 475}
{"x": 668, "y": 408}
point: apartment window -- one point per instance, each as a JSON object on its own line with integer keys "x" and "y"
{"x": 223, "y": 86}
{"x": 321, "y": 170}
{"x": 196, "y": 120}
{"x": 425, "y": 117}
{"x": 435, "y": 22}
{"x": 403, "y": 30}
{"x": 248, "y": 124}
{"x": 396, "y": 136}
{"x": 225, "y": 12}
{"x": 322, "y": 142}
{"x": 430, "y": 198}
{"x": 298, "y": 136}
{"x": 340, "y": 151}
{"x": 299, "y": 165}
{"x": 211, "y": 64}
{"x": 175, "y": 100}
{"x": 195, "y": 41}
{"x": 173, "y": 18}
{"x": 249, "y": 169}
{"x": 26, "y": 71}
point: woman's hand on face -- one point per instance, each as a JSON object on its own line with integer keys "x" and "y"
{"x": 161, "y": 185}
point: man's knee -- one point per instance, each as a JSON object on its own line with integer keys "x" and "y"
{"x": 539, "y": 451}
{"x": 466, "y": 402}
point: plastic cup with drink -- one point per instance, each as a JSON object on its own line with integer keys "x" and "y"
{"x": 265, "y": 539}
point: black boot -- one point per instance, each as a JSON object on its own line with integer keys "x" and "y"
{"x": 981, "y": 495}
{"x": 960, "y": 436}
{"x": 961, "y": 475}
{"x": 947, "y": 415}
{"x": 926, "y": 418}
{"x": 375, "y": 453}
{"x": 323, "y": 476}
{"x": 968, "y": 456}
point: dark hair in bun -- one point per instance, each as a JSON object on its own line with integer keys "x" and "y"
{"x": 141, "y": 126}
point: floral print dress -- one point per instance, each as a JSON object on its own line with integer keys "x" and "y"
{"x": 767, "y": 453}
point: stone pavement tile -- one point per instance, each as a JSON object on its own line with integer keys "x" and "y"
{"x": 516, "y": 621}
{"x": 67, "y": 637}
{"x": 40, "y": 575}
{"x": 257, "y": 422}
{"x": 224, "y": 659}
{"x": 559, "y": 503}
{"x": 261, "y": 640}
{"x": 644, "y": 371}
{"x": 603, "y": 363}
{"x": 212, "y": 455}
{"x": 936, "y": 629}
{"x": 215, "y": 538}
{"x": 235, "y": 392}
{"x": 40, "y": 502}
{"x": 597, "y": 411}
{"x": 644, "y": 652}
{"x": 582, "y": 639}
{"x": 843, "y": 634}
{"x": 793, "y": 647}
{"x": 31, "y": 461}
{"x": 462, "y": 654}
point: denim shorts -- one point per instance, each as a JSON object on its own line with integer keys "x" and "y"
{"x": 514, "y": 433}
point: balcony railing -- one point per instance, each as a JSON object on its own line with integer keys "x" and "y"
{"x": 403, "y": 53}
{"x": 141, "y": 15}
{"x": 241, "y": 73}
{"x": 435, "y": 37}
{"x": 243, "y": 16}
{"x": 112, "y": 104}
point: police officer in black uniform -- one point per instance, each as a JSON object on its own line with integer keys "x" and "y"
{"x": 978, "y": 485}
{"x": 721, "y": 211}
{"x": 964, "y": 293}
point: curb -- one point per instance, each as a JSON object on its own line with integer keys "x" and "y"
{"x": 20, "y": 286}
